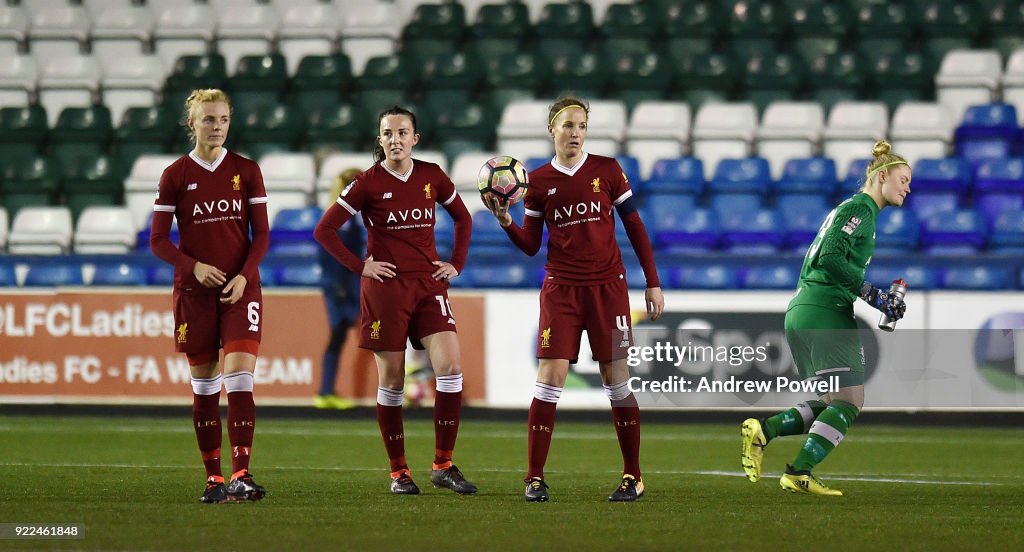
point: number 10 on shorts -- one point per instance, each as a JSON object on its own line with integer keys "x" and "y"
{"x": 446, "y": 308}
{"x": 254, "y": 316}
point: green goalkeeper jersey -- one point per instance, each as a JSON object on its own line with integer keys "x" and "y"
{"x": 833, "y": 269}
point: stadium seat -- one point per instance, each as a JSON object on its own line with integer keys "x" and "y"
{"x": 856, "y": 172}
{"x": 29, "y": 182}
{"x": 105, "y": 231}
{"x": 270, "y": 128}
{"x": 40, "y": 231}
{"x": 183, "y": 30}
{"x": 773, "y": 276}
{"x": 950, "y": 174}
{"x": 789, "y": 130}
{"x": 759, "y": 232}
{"x": 727, "y": 204}
{"x": 658, "y": 130}
{"x": 1008, "y": 233}
{"x": 897, "y": 231}
{"x": 384, "y": 81}
{"x": 853, "y": 128}
{"x": 1012, "y": 82}
{"x": 665, "y": 207}
{"x": 693, "y": 230}
{"x": 143, "y": 130}
{"x": 23, "y": 132}
{"x": 67, "y": 273}
{"x": 510, "y": 77}
{"x": 986, "y": 132}
{"x": 963, "y": 231}
{"x": 464, "y": 171}
{"x": 585, "y": 73}
{"x": 682, "y": 175}
{"x": 968, "y": 77}
{"x": 4, "y": 228}
{"x": 142, "y": 238}
{"x": 8, "y": 277}
{"x": 926, "y": 205}
{"x": 901, "y": 77}
{"x": 920, "y": 130}
{"x": 814, "y": 175}
{"x": 639, "y": 76}
{"x": 747, "y": 175}
{"x": 294, "y": 274}
{"x": 723, "y": 130}
{"x": 993, "y": 204}
{"x": 19, "y": 78}
{"x": 320, "y": 82}
{"x": 308, "y": 30}
{"x": 802, "y": 215}
{"x": 81, "y": 132}
{"x": 57, "y": 32}
{"x": 978, "y": 278}
{"x": 463, "y": 127}
{"x": 505, "y": 275}
{"x": 131, "y": 81}
{"x": 630, "y": 168}
{"x": 1000, "y": 175}
{"x": 917, "y": 277}
{"x": 340, "y": 127}
{"x": 288, "y": 172}
{"x": 488, "y": 236}
{"x": 338, "y": 162}
{"x": 772, "y": 77}
{"x": 119, "y": 274}
{"x": 291, "y": 226}
{"x": 244, "y": 29}
{"x": 522, "y": 129}
{"x": 606, "y": 127}
{"x": 836, "y": 77}
{"x": 190, "y": 72}
{"x": 370, "y": 30}
{"x": 72, "y": 81}
{"x": 124, "y": 30}
{"x": 14, "y": 26}
{"x": 702, "y": 276}
{"x": 449, "y": 79}
{"x": 259, "y": 80}
{"x": 705, "y": 78}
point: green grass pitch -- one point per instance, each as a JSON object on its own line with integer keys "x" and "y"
{"x": 135, "y": 484}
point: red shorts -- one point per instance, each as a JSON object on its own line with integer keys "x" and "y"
{"x": 203, "y": 324}
{"x": 602, "y": 310}
{"x": 401, "y": 308}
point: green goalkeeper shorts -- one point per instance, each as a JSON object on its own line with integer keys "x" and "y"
{"x": 825, "y": 342}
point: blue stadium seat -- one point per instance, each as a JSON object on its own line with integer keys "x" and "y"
{"x": 1008, "y": 233}
{"x": 533, "y": 163}
{"x": 960, "y": 232}
{"x": 727, "y": 204}
{"x": 814, "y": 175}
{"x": 162, "y": 274}
{"x": 505, "y": 275}
{"x": 854, "y": 178}
{"x": 918, "y": 277}
{"x": 979, "y": 278}
{"x": 295, "y": 224}
{"x": 691, "y": 231}
{"x": 994, "y": 204}
{"x": 299, "y": 274}
{"x": 683, "y": 175}
{"x": 705, "y": 276}
{"x": 631, "y": 167}
{"x": 142, "y": 238}
{"x": 444, "y": 233}
{"x": 773, "y": 276}
{"x": 58, "y": 274}
{"x": 747, "y": 175}
{"x": 986, "y": 132}
{"x": 802, "y": 215}
{"x": 268, "y": 275}
{"x": 924, "y": 206}
{"x": 488, "y": 236}
{"x": 760, "y": 232}
{"x": 120, "y": 274}
{"x": 897, "y": 231}
{"x": 8, "y": 277}
{"x": 951, "y": 174}
{"x": 635, "y": 276}
{"x": 1000, "y": 175}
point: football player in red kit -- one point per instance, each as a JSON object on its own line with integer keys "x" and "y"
{"x": 585, "y": 286}
{"x": 404, "y": 292}
{"x": 218, "y": 198}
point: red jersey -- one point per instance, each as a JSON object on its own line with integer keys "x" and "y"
{"x": 215, "y": 207}
{"x": 577, "y": 205}
{"x": 398, "y": 212}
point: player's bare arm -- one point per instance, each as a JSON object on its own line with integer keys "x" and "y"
{"x": 655, "y": 301}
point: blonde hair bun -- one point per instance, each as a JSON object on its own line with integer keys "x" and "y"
{"x": 881, "y": 148}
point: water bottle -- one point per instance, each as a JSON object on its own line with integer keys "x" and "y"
{"x": 899, "y": 289}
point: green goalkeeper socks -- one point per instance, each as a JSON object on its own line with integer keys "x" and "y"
{"x": 793, "y": 421}
{"x": 825, "y": 434}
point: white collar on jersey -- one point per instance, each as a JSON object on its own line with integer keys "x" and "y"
{"x": 209, "y": 166}
{"x": 398, "y": 175}
{"x": 571, "y": 171}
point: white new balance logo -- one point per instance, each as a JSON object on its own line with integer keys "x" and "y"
{"x": 193, "y": 186}
{"x": 552, "y": 191}
{"x": 387, "y": 195}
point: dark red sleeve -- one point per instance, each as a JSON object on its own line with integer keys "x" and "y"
{"x": 463, "y": 231}
{"x": 326, "y": 233}
{"x": 161, "y": 246}
{"x": 642, "y": 246}
{"x": 259, "y": 224}
{"x": 528, "y": 237}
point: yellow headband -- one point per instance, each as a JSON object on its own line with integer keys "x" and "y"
{"x": 889, "y": 164}
{"x": 559, "y": 112}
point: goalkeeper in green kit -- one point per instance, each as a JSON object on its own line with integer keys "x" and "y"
{"x": 821, "y": 329}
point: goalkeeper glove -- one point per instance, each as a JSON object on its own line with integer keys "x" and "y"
{"x": 887, "y": 303}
